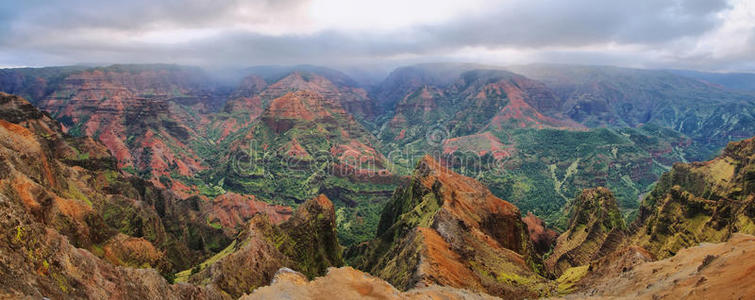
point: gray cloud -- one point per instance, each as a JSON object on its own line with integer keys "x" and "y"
{"x": 136, "y": 14}
{"x": 579, "y": 22}
{"x": 275, "y": 32}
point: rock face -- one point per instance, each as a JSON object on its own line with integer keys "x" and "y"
{"x": 312, "y": 242}
{"x": 39, "y": 262}
{"x": 700, "y": 202}
{"x": 542, "y": 238}
{"x": 165, "y": 124}
{"x": 231, "y": 211}
{"x": 596, "y": 227}
{"x": 147, "y": 116}
{"x": 71, "y": 223}
{"x": 306, "y": 242}
{"x": 447, "y": 229}
{"x": 348, "y": 283}
{"x": 255, "y": 94}
{"x": 708, "y": 271}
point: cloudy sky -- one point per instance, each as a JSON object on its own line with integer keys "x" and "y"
{"x": 711, "y": 35}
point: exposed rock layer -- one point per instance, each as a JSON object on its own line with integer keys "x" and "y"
{"x": 700, "y": 202}
{"x": 348, "y": 283}
{"x": 708, "y": 271}
{"x": 447, "y": 229}
{"x": 306, "y": 242}
{"x": 596, "y": 227}
{"x": 73, "y": 227}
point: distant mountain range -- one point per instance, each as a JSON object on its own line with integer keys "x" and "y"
{"x": 733, "y": 81}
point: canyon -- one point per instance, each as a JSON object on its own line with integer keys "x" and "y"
{"x": 449, "y": 181}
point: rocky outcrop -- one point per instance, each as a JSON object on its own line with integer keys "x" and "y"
{"x": 447, "y": 229}
{"x": 231, "y": 211}
{"x": 249, "y": 262}
{"x": 312, "y": 242}
{"x": 707, "y": 271}
{"x": 39, "y": 262}
{"x": 596, "y": 227}
{"x": 306, "y": 242}
{"x": 348, "y": 283}
{"x": 690, "y": 206}
{"x": 124, "y": 250}
{"x": 700, "y": 202}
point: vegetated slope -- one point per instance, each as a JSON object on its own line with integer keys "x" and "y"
{"x": 165, "y": 124}
{"x": 306, "y": 242}
{"x": 700, "y": 202}
{"x": 733, "y": 81}
{"x": 174, "y": 126}
{"x": 70, "y": 218}
{"x": 257, "y": 91}
{"x": 447, "y": 229}
{"x": 78, "y": 228}
{"x": 477, "y": 100}
{"x": 597, "y": 256}
{"x": 612, "y": 96}
{"x": 595, "y": 228}
{"x": 692, "y": 204}
{"x": 306, "y": 143}
{"x": 543, "y": 169}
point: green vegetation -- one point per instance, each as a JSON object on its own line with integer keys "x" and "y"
{"x": 129, "y": 169}
{"x": 183, "y": 276}
{"x": 566, "y": 282}
{"x": 74, "y": 193}
{"x": 214, "y": 225}
{"x": 549, "y": 167}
